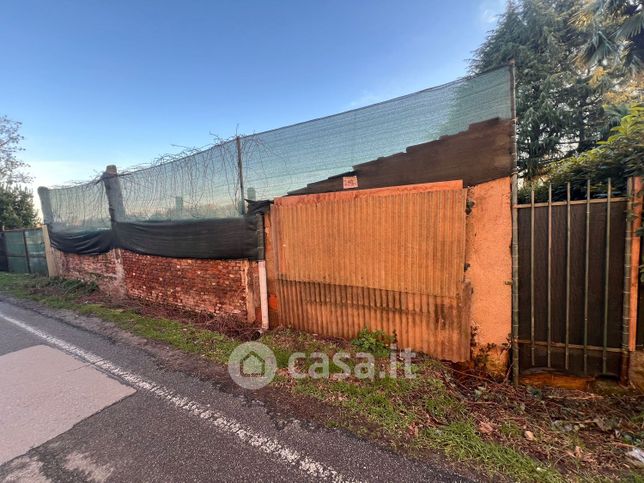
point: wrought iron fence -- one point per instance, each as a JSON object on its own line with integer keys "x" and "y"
{"x": 574, "y": 282}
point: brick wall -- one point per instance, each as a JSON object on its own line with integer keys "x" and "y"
{"x": 220, "y": 287}
{"x": 105, "y": 270}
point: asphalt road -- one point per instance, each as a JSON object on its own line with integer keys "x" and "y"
{"x": 82, "y": 406}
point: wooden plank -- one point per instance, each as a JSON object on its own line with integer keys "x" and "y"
{"x": 311, "y": 199}
{"x": 50, "y": 254}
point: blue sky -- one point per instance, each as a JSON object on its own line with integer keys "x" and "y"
{"x": 121, "y": 82}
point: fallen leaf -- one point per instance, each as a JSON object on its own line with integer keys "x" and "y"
{"x": 485, "y": 428}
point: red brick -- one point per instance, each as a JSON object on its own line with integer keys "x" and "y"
{"x": 220, "y": 287}
{"x": 101, "y": 269}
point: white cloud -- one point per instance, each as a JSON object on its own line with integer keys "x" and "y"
{"x": 489, "y": 11}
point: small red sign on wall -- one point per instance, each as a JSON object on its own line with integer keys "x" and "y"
{"x": 349, "y": 182}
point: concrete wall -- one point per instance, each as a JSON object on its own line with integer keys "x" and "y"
{"x": 489, "y": 270}
{"x": 219, "y": 287}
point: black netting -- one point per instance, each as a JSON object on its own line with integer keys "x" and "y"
{"x": 286, "y": 159}
{"x": 82, "y": 207}
{"x": 201, "y": 186}
{"x": 207, "y": 185}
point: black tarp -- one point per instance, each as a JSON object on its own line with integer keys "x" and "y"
{"x": 258, "y": 207}
{"x": 224, "y": 238}
{"x": 84, "y": 242}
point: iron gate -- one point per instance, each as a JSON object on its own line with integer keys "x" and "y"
{"x": 573, "y": 257}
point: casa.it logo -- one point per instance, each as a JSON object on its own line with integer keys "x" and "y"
{"x": 252, "y": 365}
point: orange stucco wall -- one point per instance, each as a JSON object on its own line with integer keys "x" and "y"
{"x": 488, "y": 254}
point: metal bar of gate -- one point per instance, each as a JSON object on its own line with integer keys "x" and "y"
{"x": 515, "y": 233}
{"x": 532, "y": 346}
{"x": 593, "y": 201}
{"x": 606, "y": 275}
{"x": 626, "y": 304}
{"x": 562, "y": 345}
{"x": 586, "y": 276}
{"x": 549, "y": 274}
{"x": 567, "y": 351}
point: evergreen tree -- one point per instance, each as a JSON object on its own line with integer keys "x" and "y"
{"x": 618, "y": 158}
{"x": 615, "y": 33}
{"x": 558, "y": 100}
{"x": 16, "y": 208}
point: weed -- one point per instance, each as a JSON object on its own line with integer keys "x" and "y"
{"x": 375, "y": 342}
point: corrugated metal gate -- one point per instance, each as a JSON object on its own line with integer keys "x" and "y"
{"x": 25, "y": 251}
{"x": 389, "y": 259}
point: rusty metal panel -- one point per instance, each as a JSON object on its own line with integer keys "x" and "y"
{"x": 407, "y": 242}
{"x": 393, "y": 262}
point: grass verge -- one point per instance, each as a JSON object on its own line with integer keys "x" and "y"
{"x": 467, "y": 417}
{"x": 65, "y": 294}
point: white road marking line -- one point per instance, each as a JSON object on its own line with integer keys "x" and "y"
{"x": 266, "y": 444}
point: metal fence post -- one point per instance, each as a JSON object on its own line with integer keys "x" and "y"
{"x": 586, "y": 276}
{"x": 515, "y": 233}
{"x": 24, "y": 241}
{"x": 240, "y": 167}
{"x": 532, "y": 339}
{"x": 606, "y": 280}
{"x": 626, "y": 303}
{"x": 568, "y": 217}
{"x": 549, "y": 328}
